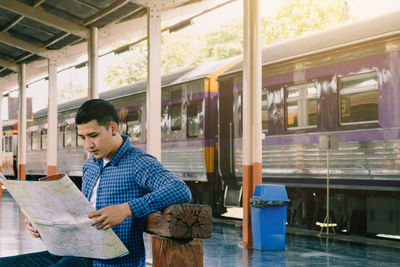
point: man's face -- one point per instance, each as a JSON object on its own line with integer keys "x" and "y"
{"x": 97, "y": 139}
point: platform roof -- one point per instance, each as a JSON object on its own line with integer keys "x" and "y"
{"x": 34, "y": 30}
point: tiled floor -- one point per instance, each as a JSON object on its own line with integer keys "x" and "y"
{"x": 14, "y": 238}
{"x": 300, "y": 250}
{"x": 222, "y": 248}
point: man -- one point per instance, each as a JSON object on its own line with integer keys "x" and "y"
{"x": 122, "y": 182}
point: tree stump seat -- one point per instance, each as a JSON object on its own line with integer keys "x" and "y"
{"x": 177, "y": 234}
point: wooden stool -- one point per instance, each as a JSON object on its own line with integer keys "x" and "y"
{"x": 177, "y": 232}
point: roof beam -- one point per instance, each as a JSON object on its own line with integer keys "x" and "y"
{"x": 107, "y": 35}
{"x": 160, "y": 4}
{"x": 56, "y": 38}
{"x": 42, "y": 16}
{"x": 11, "y": 24}
{"x": 23, "y": 45}
{"x": 8, "y": 65}
{"x": 111, "y": 8}
{"x": 38, "y": 3}
{"x": 87, "y": 5}
{"x": 137, "y": 10}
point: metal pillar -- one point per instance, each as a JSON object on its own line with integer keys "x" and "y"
{"x": 153, "y": 105}
{"x": 252, "y": 127}
{"x": 93, "y": 65}
{"x": 52, "y": 119}
{"x": 22, "y": 123}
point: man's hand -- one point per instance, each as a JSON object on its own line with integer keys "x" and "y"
{"x": 110, "y": 216}
{"x": 31, "y": 229}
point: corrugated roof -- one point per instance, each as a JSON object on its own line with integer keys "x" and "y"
{"x": 31, "y": 28}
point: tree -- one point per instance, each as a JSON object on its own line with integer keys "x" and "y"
{"x": 178, "y": 49}
{"x": 297, "y": 17}
{"x": 132, "y": 68}
{"x": 70, "y": 91}
{"x": 182, "y": 49}
{"x": 225, "y": 42}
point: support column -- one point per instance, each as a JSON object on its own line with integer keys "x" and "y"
{"x": 52, "y": 119}
{"x": 1, "y": 139}
{"x": 252, "y": 127}
{"x": 153, "y": 104}
{"x": 22, "y": 123}
{"x": 93, "y": 65}
{"x": 1, "y": 133}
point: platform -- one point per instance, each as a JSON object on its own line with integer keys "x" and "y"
{"x": 303, "y": 247}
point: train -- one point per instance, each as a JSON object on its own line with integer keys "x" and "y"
{"x": 342, "y": 82}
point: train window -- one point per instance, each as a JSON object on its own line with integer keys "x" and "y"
{"x": 176, "y": 114}
{"x": 35, "y": 141}
{"x": 194, "y": 119}
{"x": 165, "y": 123}
{"x": 78, "y": 140}
{"x": 43, "y": 139}
{"x": 264, "y": 104}
{"x": 122, "y": 128}
{"x": 301, "y": 106}
{"x": 10, "y": 144}
{"x": 133, "y": 126}
{"x": 6, "y": 144}
{"x": 68, "y": 136}
{"x": 176, "y": 94}
{"x": 3, "y": 143}
{"x": 358, "y": 98}
{"x": 29, "y": 141}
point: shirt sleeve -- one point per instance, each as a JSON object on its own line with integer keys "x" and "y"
{"x": 164, "y": 187}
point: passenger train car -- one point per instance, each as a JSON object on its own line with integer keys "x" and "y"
{"x": 9, "y": 148}
{"x": 188, "y": 125}
{"x": 342, "y": 82}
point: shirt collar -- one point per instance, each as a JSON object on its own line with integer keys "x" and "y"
{"x": 126, "y": 144}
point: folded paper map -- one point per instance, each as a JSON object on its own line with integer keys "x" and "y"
{"x": 59, "y": 211}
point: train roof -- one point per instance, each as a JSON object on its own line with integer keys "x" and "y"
{"x": 343, "y": 35}
{"x": 177, "y": 77}
{"x": 6, "y": 124}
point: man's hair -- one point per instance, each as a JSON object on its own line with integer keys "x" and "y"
{"x": 96, "y": 109}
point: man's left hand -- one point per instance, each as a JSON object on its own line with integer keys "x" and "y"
{"x": 110, "y": 216}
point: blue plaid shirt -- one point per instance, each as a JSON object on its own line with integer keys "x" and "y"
{"x": 135, "y": 177}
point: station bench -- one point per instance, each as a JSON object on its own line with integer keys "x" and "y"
{"x": 177, "y": 234}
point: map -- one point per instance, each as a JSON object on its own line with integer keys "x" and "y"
{"x": 59, "y": 211}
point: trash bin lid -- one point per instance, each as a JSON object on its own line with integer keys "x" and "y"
{"x": 270, "y": 192}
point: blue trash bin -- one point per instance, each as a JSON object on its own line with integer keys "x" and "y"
{"x": 268, "y": 217}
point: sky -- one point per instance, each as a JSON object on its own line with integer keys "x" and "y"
{"x": 360, "y": 9}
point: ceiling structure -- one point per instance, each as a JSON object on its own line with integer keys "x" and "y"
{"x": 31, "y": 31}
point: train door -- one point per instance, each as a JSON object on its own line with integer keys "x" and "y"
{"x": 226, "y": 155}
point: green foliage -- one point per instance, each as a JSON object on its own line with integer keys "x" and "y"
{"x": 71, "y": 90}
{"x": 225, "y": 42}
{"x": 132, "y": 67}
{"x": 178, "y": 50}
{"x": 182, "y": 49}
{"x": 297, "y": 17}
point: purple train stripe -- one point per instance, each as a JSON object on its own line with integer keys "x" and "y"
{"x": 183, "y": 144}
{"x": 189, "y": 143}
{"x": 350, "y": 136}
{"x": 333, "y": 182}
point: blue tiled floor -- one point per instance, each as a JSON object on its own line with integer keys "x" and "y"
{"x": 300, "y": 250}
